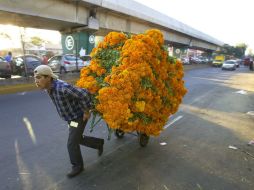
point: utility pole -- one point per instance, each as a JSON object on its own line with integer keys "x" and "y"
{"x": 22, "y": 34}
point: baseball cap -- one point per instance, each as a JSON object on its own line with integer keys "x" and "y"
{"x": 44, "y": 70}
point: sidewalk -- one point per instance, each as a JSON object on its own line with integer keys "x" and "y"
{"x": 9, "y": 86}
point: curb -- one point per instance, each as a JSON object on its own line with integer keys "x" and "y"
{"x": 12, "y": 86}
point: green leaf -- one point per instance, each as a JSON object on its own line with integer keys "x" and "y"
{"x": 137, "y": 115}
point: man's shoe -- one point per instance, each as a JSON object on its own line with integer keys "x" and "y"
{"x": 100, "y": 150}
{"x": 75, "y": 171}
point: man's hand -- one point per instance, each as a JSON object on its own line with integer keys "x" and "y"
{"x": 86, "y": 115}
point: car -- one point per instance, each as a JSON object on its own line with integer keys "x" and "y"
{"x": 185, "y": 61}
{"x": 246, "y": 61}
{"x": 229, "y": 65}
{"x": 86, "y": 59}
{"x": 31, "y": 62}
{"x": 195, "y": 60}
{"x": 67, "y": 63}
{"x": 5, "y": 68}
{"x": 238, "y": 62}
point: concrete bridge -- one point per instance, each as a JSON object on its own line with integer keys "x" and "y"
{"x": 98, "y": 17}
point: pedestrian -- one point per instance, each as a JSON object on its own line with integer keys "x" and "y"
{"x": 251, "y": 65}
{"x": 44, "y": 59}
{"x": 73, "y": 105}
{"x": 8, "y": 57}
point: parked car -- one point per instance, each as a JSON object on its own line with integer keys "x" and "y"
{"x": 185, "y": 61}
{"x": 195, "y": 60}
{"x": 229, "y": 65}
{"x": 66, "y": 63}
{"x": 86, "y": 59}
{"x": 31, "y": 62}
{"x": 5, "y": 68}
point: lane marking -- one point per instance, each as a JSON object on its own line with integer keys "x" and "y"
{"x": 197, "y": 99}
{"x": 30, "y": 130}
{"x": 250, "y": 113}
{"x": 22, "y": 93}
{"x": 241, "y": 92}
{"x": 174, "y": 120}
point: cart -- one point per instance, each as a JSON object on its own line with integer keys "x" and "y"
{"x": 143, "y": 138}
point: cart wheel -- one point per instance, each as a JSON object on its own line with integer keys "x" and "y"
{"x": 119, "y": 133}
{"x": 143, "y": 139}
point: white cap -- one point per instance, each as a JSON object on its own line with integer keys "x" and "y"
{"x": 44, "y": 70}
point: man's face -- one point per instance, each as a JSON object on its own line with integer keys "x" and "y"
{"x": 42, "y": 81}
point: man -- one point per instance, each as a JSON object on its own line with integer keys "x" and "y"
{"x": 8, "y": 57}
{"x": 73, "y": 105}
{"x": 44, "y": 59}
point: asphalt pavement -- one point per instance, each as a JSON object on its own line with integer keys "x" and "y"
{"x": 203, "y": 146}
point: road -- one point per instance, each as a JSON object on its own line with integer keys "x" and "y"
{"x": 191, "y": 153}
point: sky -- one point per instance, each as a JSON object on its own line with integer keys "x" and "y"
{"x": 15, "y": 32}
{"x": 230, "y": 21}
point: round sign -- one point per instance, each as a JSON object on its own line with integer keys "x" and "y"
{"x": 178, "y": 51}
{"x": 69, "y": 42}
{"x": 91, "y": 39}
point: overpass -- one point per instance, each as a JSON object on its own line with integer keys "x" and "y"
{"x": 98, "y": 17}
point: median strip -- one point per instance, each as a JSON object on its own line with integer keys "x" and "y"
{"x": 24, "y": 87}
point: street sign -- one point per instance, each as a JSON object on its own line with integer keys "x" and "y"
{"x": 69, "y": 42}
{"x": 91, "y": 39}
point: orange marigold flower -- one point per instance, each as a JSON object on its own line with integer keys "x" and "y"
{"x": 141, "y": 89}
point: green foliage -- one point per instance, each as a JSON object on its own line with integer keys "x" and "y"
{"x": 171, "y": 59}
{"x": 143, "y": 117}
{"x": 146, "y": 83}
{"x": 108, "y": 57}
{"x": 238, "y": 51}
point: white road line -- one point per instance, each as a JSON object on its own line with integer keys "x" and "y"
{"x": 22, "y": 93}
{"x": 241, "y": 92}
{"x": 174, "y": 120}
{"x": 197, "y": 99}
{"x": 250, "y": 113}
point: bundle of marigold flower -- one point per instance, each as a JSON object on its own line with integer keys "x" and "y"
{"x": 135, "y": 84}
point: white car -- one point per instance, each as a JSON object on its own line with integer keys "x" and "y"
{"x": 66, "y": 63}
{"x": 229, "y": 65}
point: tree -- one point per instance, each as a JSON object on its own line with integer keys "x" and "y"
{"x": 227, "y": 50}
{"x": 240, "y": 50}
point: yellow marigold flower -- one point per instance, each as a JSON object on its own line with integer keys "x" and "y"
{"x": 140, "y": 105}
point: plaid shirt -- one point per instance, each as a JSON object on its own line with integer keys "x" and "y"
{"x": 70, "y": 101}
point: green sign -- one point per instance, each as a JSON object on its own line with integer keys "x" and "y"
{"x": 179, "y": 52}
{"x": 78, "y": 43}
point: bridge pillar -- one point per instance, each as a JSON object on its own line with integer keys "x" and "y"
{"x": 78, "y": 43}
